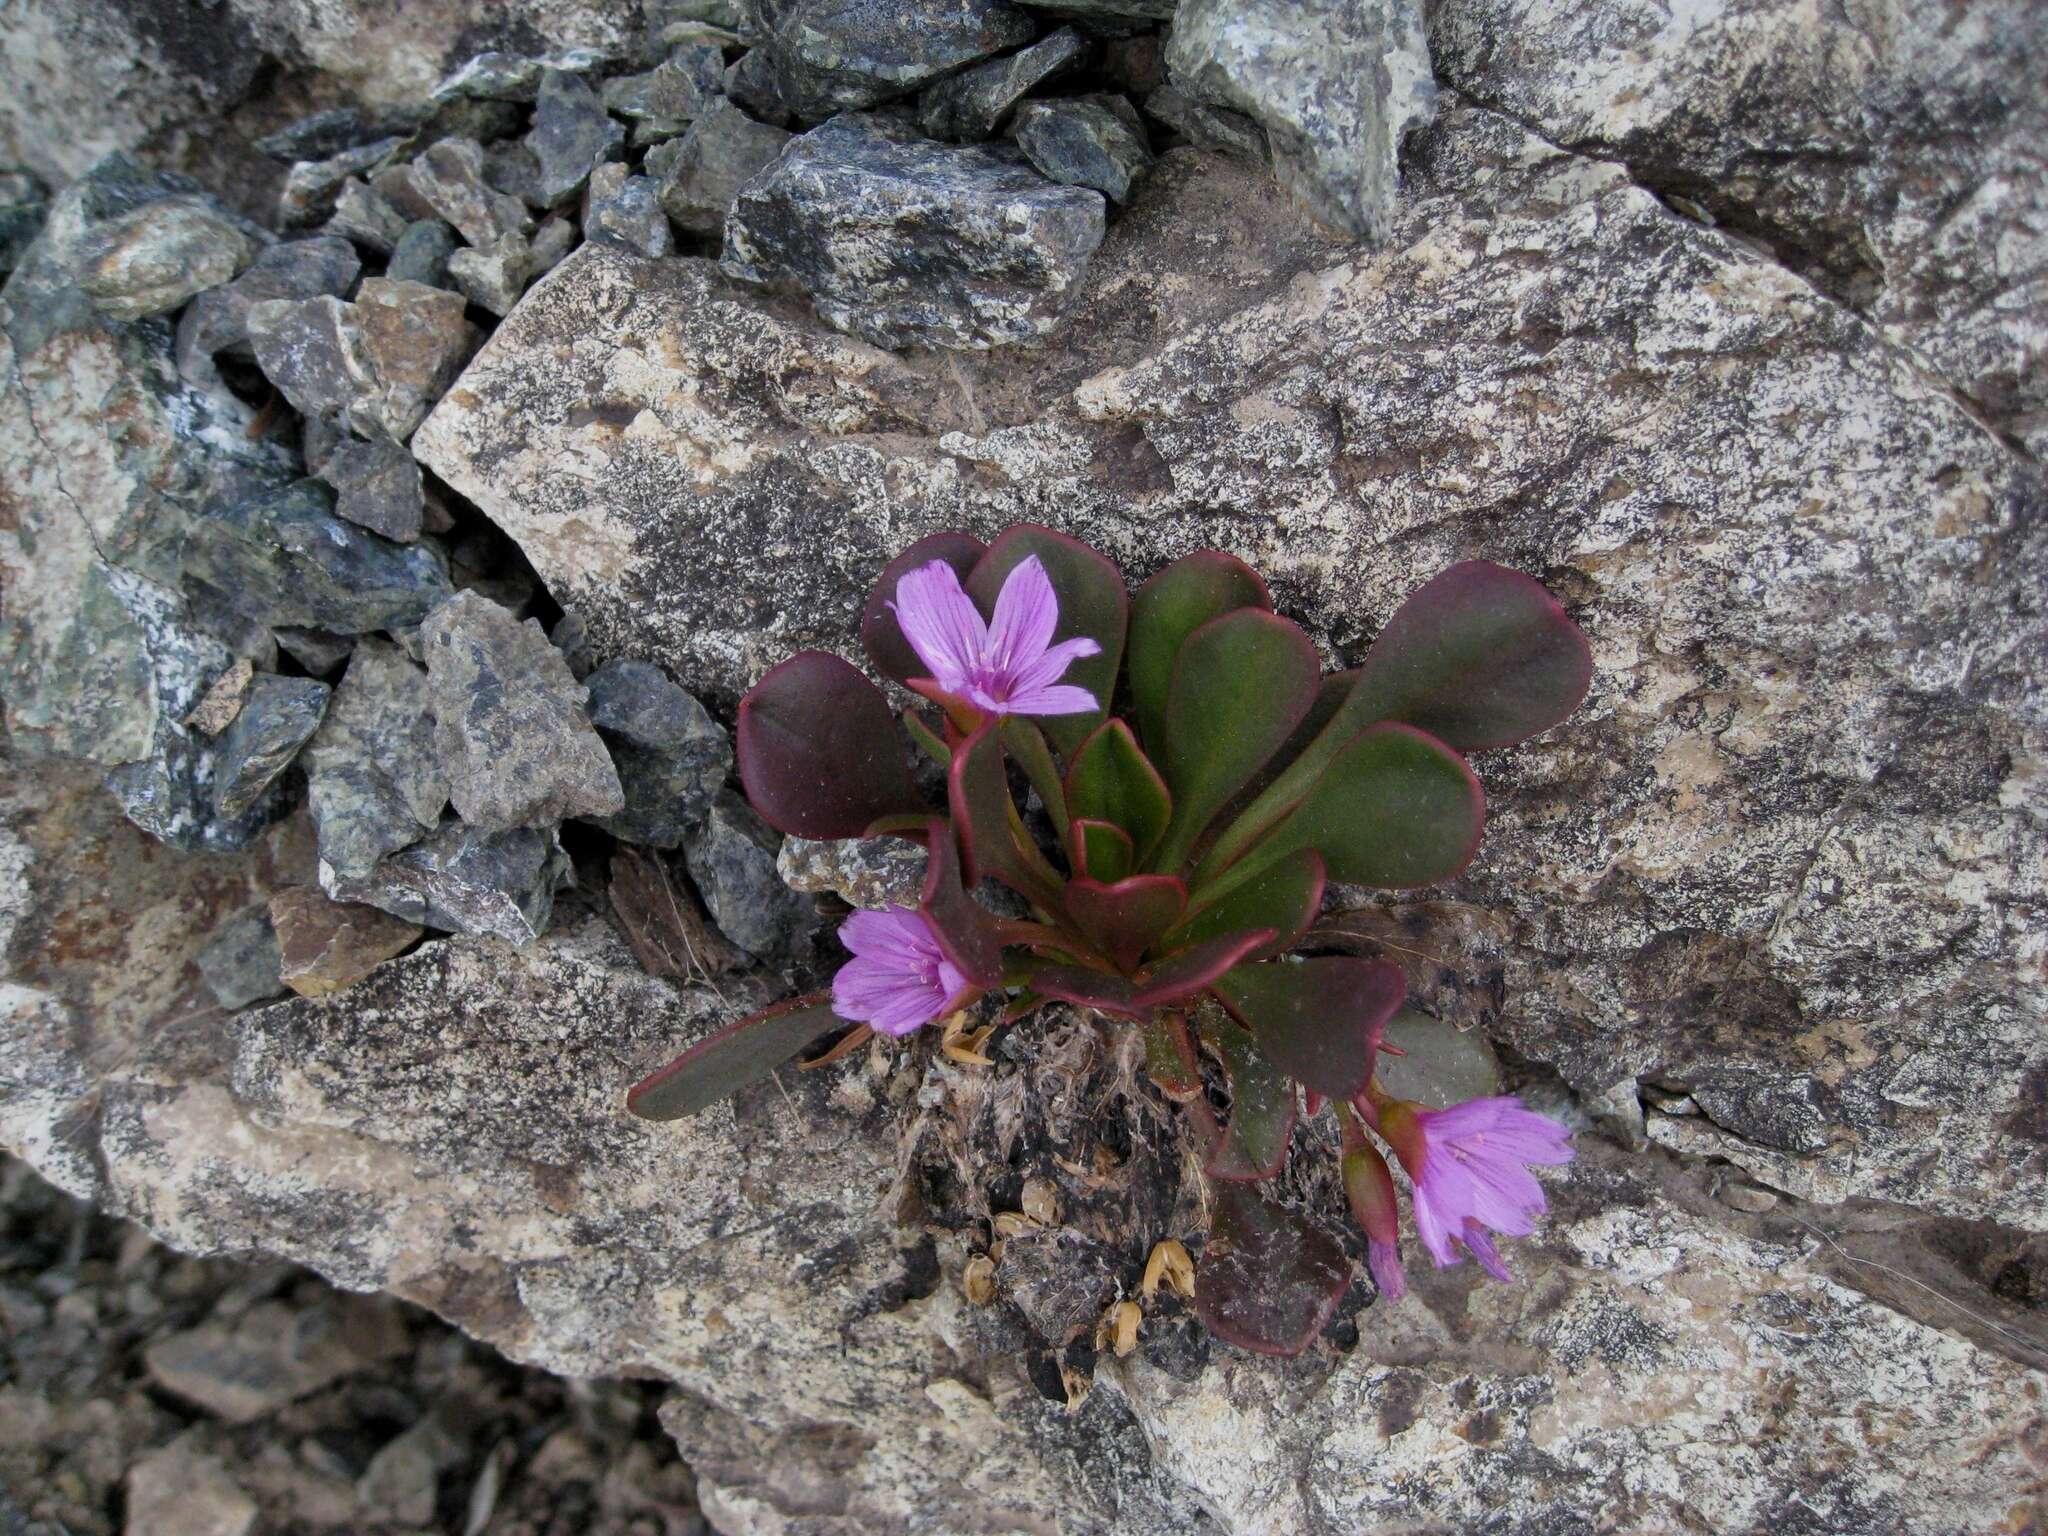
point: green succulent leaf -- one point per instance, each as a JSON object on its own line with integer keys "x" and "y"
{"x": 1026, "y": 744}
{"x": 1254, "y": 1141}
{"x": 739, "y": 1054}
{"x": 1285, "y": 896}
{"x": 1397, "y": 808}
{"x": 1093, "y": 602}
{"x": 1167, "y": 609}
{"x": 880, "y": 635}
{"x": 1100, "y": 851}
{"x": 1170, "y": 1056}
{"x": 1241, "y": 684}
{"x": 1267, "y": 1280}
{"x": 1125, "y": 919}
{"x": 818, "y": 750}
{"x": 1110, "y": 779}
{"x": 1172, "y": 980}
{"x": 1319, "y": 1020}
{"x": 992, "y": 838}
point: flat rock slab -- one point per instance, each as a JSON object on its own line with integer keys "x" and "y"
{"x": 1781, "y": 856}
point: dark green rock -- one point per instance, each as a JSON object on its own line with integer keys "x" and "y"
{"x": 723, "y": 150}
{"x": 376, "y": 486}
{"x": 824, "y": 56}
{"x": 421, "y": 253}
{"x": 1094, "y": 141}
{"x": 971, "y": 105}
{"x": 278, "y": 717}
{"x": 672, "y": 757}
{"x": 465, "y": 880}
{"x": 24, "y": 204}
{"x": 626, "y": 211}
{"x": 373, "y": 780}
{"x": 218, "y": 320}
{"x": 732, "y": 861}
{"x": 571, "y": 136}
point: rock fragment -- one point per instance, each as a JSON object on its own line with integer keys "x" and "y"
{"x": 312, "y": 187}
{"x": 1086, "y": 142}
{"x": 723, "y": 150}
{"x": 379, "y": 362}
{"x": 279, "y": 717}
{"x": 285, "y": 558}
{"x": 324, "y": 946}
{"x": 241, "y": 963}
{"x": 374, "y": 782}
{"x": 323, "y": 135}
{"x": 274, "y": 1354}
{"x": 466, "y": 880}
{"x": 152, "y": 260}
{"x": 24, "y": 204}
{"x": 177, "y": 1491}
{"x": 449, "y": 177}
{"x": 511, "y": 730}
{"x": 870, "y": 872}
{"x": 493, "y": 76}
{"x": 665, "y": 100}
{"x": 820, "y": 57}
{"x": 1206, "y": 127}
{"x": 376, "y": 486}
{"x": 624, "y": 210}
{"x": 971, "y": 105}
{"x": 219, "y": 705}
{"x": 732, "y": 860}
{"x": 672, "y": 757}
{"x": 421, "y": 252}
{"x": 1336, "y": 84}
{"x": 571, "y": 136}
{"x": 906, "y": 242}
{"x": 363, "y": 215}
{"x": 556, "y": 238}
{"x": 493, "y": 276}
{"x": 218, "y": 320}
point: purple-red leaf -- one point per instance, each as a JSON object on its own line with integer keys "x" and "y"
{"x": 1267, "y": 1280}
{"x": 1092, "y": 603}
{"x": 1253, "y": 1144}
{"x": 1125, "y": 919}
{"x": 1110, "y": 779}
{"x": 966, "y": 933}
{"x": 1167, "y": 609}
{"x": 1481, "y": 656}
{"x": 1171, "y": 980}
{"x": 1241, "y": 684}
{"x": 1170, "y": 1056}
{"x": 1319, "y": 1021}
{"x": 880, "y": 635}
{"x": 818, "y": 750}
{"x": 737, "y": 1055}
{"x": 992, "y": 841}
{"x": 1285, "y": 896}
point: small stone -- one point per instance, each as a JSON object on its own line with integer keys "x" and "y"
{"x": 1336, "y": 84}
{"x": 241, "y": 963}
{"x": 175, "y": 1491}
{"x": 623, "y": 210}
{"x": 402, "y": 1481}
{"x": 750, "y": 81}
{"x": 511, "y": 730}
{"x": 275, "y": 1353}
{"x": 450, "y": 177}
{"x": 154, "y": 259}
{"x": 374, "y": 782}
{"x": 571, "y": 136}
{"x": 285, "y": 558}
{"x": 677, "y": 90}
{"x": 217, "y": 709}
{"x": 972, "y": 105}
{"x": 376, "y": 486}
{"x": 324, "y": 946}
{"x": 906, "y": 242}
{"x": 466, "y": 880}
{"x": 395, "y": 185}
{"x": 24, "y": 207}
{"x": 1206, "y": 127}
{"x": 323, "y": 135}
{"x": 218, "y": 320}
{"x": 1085, "y": 142}
{"x": 493, "y": 276}
{"x": 732, "y": 861}
{"x": 866, "y": 872}
{"x": 723, "y": 150}
{"x": 1742, "y": 1195}
{"x": 279, "y": 717}
{"x": 319, "y": 651}
{"x": 672, "y": 757}
{"x": 379, "y": 362}
{"x": 493, "y": 76}
{"x": 466, "y": 117}
{"x": 512, "y": 169}
{"x": 823, "y": 56}
{"x": 361, "y": 215}
{"x": 421, "y": 252}
{"x": 556, "y": 238}
{"x": 312, "y": 186}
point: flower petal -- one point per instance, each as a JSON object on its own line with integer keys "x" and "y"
{"x": 1483, "y": 1250}
{"x": 941, "y": 623}
{"x": 1060, "y": 699}
{"x": 1384, "y": 1260}
{"x": 1026, "y": 613}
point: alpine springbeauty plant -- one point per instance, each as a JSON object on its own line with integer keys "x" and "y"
{"x": 1200, "y": 783}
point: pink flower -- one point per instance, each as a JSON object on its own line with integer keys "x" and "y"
{"x": 898, "y": 977}
{"x": 1007, "y": 665}
{"x": 1370, "y": 1187}
{"x": 1469, "y": 1167}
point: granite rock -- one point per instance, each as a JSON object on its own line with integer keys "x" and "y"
{"x": 373, "y": 780}
{"x": 463, "y": 879}
{"x": 449, "y": 178}
{"x": 672, "y": 757}
{"x": 376, "y": 486}
{"x": 905, "y": 242}
{"x": 624, "y": 210}
{"x": 972, "y": 104}
{"x": 379, "y": 362}
{"x": 152, "y": 260}
{"x": 492, "y": 277}
{"x": 571, "y": 136}
{"x": 731, "y": 858}
{"x": 218, "y": 320}
{"x": 723, "y": 150}
{"x": 509, "y": 721}
{"x": 284, "y": 557}
{"x": 1085, "y": 142}
{"x": 819, "y": 57}
{"x": 323, "y": 946}
{"x": 1336, "y": 84}
{"x": 279, "y": 717}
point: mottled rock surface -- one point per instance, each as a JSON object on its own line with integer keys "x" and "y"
{"x": 509, "y": 722}
{"x": 672, "y": 757}
{"x": 376, "y": 486}
{"x": 1336, "y": 84}
{"x": 218, "y": 320}
{"x": 722, "y": 152}
{"x": 279, "y": 716}
{"x": 465, "y": 880}
{"x": 972, "y": 104}
{"x": 154, "y": 259}
{"x": 381, "y": 361}
{"x": 374, "y": 780}
{"x": 906, "y": 242}
{"x": 571, "y": 136}
{"x": 624, "y": 210}
{"x": 732, "y": 858}
{"x": 819, "y": 57}
{"x": 1089, "y": 142}
{"x": 324, "y": 946}
{"x": 866, "y": 873}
